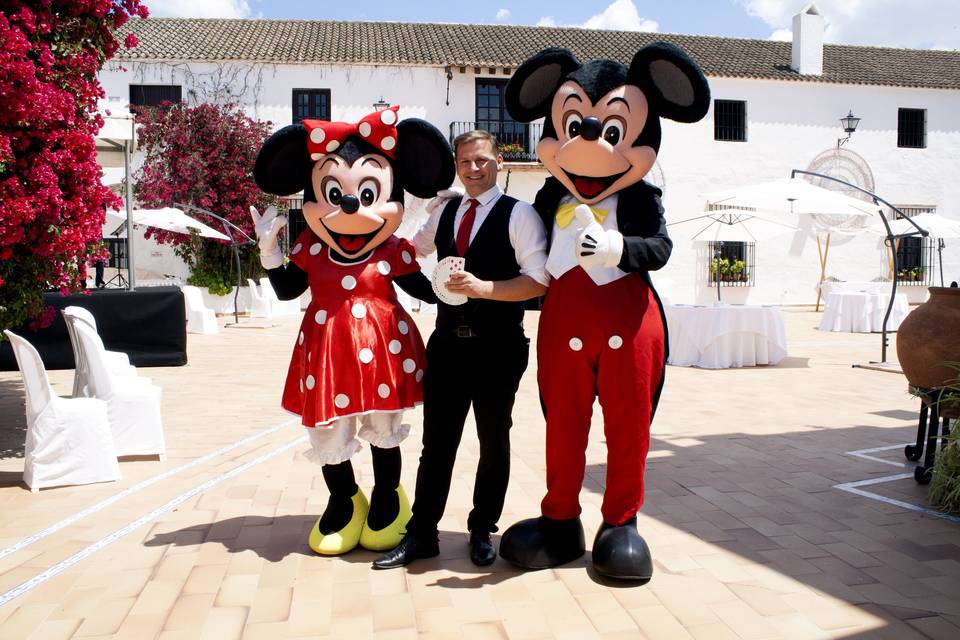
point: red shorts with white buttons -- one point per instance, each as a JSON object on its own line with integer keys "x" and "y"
{"x": 605, "y": 341}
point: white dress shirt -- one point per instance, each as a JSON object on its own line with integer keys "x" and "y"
{"x": 527, "y": 235}
{"x": 563, "y": 249}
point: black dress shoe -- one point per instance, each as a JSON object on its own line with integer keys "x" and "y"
{"x": 482, "y": 552}
{"x": 541, "y": 543}
{"x": 409, "y": 549}
{"x": 622, "y": 553}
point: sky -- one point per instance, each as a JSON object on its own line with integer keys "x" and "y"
{"x": 921, "y": 24}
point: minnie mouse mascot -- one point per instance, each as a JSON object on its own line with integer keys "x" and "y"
{"x": 358, "y": 359}
{"x": 602, "y": 328}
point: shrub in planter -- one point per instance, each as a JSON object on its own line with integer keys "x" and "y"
{"x": 945, "y": 484}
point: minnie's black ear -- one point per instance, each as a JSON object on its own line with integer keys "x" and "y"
{"x": 283, "y": 164}
{"x": 673, "y": 83}
{"x": 423, "y": 159}
{"x": 533, "y": 84}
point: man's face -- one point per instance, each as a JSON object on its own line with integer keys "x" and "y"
{"x": 477, "y": 166}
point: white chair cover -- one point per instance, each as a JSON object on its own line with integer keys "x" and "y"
{"x": 259, "y": 304}
{"x": 133, "y": 404}
{"x": 200, "y": 319}
{"x": 68, "y": 439}
{"x": 278, "y": 306}
{"x": 118, "y": 361}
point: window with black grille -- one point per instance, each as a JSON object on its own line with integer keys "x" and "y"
{"x": 915, "y": 254}
{"x": 730, "y": 120}
{"x": 153, "y": 95}
{"x": 912, "y": 128}
{"x": 313, "y": 104}
{"x": 731, "y": 264}
{"x": 492, "y": 116}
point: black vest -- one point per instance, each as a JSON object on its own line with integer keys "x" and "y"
{"x": 489, "y": 257}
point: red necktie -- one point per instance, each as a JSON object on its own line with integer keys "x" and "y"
{"x": 466, "y": 226}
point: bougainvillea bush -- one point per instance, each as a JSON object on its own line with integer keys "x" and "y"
{"x": 51, "y": 199}
{"x": 203, "y": 155}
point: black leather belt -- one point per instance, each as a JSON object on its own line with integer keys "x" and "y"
{"x": 464, "y": 331}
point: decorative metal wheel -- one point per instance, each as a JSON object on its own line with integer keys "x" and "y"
{"x": 845, "y": 165}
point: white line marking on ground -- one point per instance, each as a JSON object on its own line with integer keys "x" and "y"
{"x": 853, "y": 487}
{"x": 63, "y": 565}
{"x": 103, "y": 504}
{"x": 861, "y": 453}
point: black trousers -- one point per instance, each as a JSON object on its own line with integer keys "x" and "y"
{"x": 484, "y": 372}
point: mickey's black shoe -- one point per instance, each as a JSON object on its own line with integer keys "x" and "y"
{"x": 482, "y": 552}
{"x": 622, "y": 553}
{"x": 409, "y": 549}
{"x": 541, "y": 543}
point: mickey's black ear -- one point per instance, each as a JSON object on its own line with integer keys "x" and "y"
{"x": 533, "y": 84}
{"x": 423, "y": 159}
{"x": 672, "y": 82}
{"x": 283, "y": 164}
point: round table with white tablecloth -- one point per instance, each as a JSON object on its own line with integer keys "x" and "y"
{"x": 725, "y": 336}
{"x": 862, "y": 311}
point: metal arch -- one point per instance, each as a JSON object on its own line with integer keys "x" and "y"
{"x": 889, "y": 240}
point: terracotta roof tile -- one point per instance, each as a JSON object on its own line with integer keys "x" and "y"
{"x": 316, "y": 41}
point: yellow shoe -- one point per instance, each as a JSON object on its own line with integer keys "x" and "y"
{"x": 342, "y": 541}
{"x": 390, "y": 536}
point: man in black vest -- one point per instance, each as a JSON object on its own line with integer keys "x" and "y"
{"x": 478, "y": 352}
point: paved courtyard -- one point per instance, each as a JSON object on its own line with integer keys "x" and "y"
{"x": 750, "y": 534}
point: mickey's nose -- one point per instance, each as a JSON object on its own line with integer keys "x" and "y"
{"x": 590, "y": 128}
{"x": 349, "y": 204}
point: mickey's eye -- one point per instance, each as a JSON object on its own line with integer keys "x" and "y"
{"x": 369, "y": 192}
{"x": 332, "y": 191}
{"x": 571, "y": 124}
{"x": 613, "y": 131}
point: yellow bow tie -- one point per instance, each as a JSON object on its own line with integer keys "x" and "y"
{"x": 565, "y": 214}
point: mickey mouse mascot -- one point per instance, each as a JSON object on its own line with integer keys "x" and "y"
{"x": 602, "y": 328}
{"x": 358, "y": 357}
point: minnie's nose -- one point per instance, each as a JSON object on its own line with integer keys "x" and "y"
{"x": 349, "y": 204}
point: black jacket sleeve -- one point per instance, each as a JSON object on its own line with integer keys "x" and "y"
{"x": 547, "y": 200}
{"x": 417, "y": 285}
{"x": 646, "y": 245}
{"x": 288, "y": 281}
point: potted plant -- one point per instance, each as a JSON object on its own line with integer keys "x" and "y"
{"x": 725, "y": 269}
{"x": 736, "y": 270}
{"x": 714, "y": 269}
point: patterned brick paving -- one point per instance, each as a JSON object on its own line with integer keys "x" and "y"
{"x": 749, "y": 535}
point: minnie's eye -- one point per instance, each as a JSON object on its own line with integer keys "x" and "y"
{"x": 369, "y": 192}
{"x": 332, "y": 192}
{"x": 613, "y": 131}
{"x": 572, "y": 125}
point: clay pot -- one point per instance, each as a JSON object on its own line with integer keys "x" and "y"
{"x": 927, "y": 339}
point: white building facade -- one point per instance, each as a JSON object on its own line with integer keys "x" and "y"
{"x": 782, "y": 120}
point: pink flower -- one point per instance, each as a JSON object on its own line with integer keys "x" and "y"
{"x": 131, "y": 41}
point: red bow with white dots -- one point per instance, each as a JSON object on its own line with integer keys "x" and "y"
{"x": 378, "y": 128}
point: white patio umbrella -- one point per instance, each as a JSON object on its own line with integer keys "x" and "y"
{"x": 831, "y": 211}
{"x": 733, "y": 225}
{"x": 937, "y": 225}
{"x": 169, "y": 219}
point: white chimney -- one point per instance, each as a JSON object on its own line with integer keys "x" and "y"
{"x": 807, "y": 56}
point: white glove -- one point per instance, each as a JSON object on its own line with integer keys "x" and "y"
{"x": 267, "y": 227}
{"x": 443, "y": 196}
{"x": 596, "y": 246}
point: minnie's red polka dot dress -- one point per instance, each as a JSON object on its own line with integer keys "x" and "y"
{"x": 358, "y": 350}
